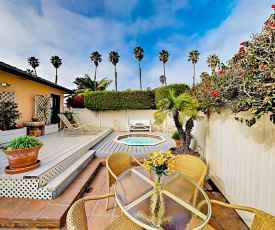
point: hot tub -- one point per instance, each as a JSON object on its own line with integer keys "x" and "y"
{"x": 140, "y": 139}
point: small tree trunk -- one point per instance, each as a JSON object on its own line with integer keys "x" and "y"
{"x": 180, "y": 131}
{"x": 115, "y": 78}
{"x": 95, "y": 77}
{"x": 55, "y": 75}
{"x": 140, "y": 76}
{"x": 188, "y": 128}
{"x": 164, "y": 74}
{"x": 193, "y": 74}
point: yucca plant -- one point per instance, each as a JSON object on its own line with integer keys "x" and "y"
{"x": 23, "y": 142}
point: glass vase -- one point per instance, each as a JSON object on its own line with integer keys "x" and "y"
{"x": 158, "y": 181}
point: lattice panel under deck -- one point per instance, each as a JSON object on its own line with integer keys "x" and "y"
{"x": 50, "y": 174}
{"x": 23, "y": 188}
{"x": 6, "y": 96}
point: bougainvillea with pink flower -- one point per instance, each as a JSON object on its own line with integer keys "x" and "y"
{"x": 75, "y": 101}
{"x": 249, "y": 80}
{"x": 8, "y": 115}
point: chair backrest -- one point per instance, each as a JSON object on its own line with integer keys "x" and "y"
{"x": 263, "y": 221}
{"x": 76, "y": 217}
{"x": 192, "y": 167}
{"x": 66, "y": 121}
{"x": 117, "y": 163}
{"x": 77, "y": 118}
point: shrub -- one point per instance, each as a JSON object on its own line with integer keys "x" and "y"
{"x": 116, "y": 100}
{"x": 75, "y": 102}
{"x": 8, "y": 115}
{"x": 247, "y": 81}
{"x": 163, "y": 92}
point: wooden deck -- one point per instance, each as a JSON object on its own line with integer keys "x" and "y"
{"x": 55, "y": 148}
{"x": 62, "y": 159}
{"x": 108, "y": 145}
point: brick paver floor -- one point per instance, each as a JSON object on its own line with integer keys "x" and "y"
{"x": 25, "y": 213}
{"x": 222, "y": 218}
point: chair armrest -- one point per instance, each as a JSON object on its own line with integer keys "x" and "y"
{"x": 234, "y": 206}
{"x": 98, "y": 197}
{"x": 136, "y": 160}
{"x": 110, "y": 171}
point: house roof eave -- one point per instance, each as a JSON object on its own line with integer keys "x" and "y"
{"x": 24, "y": 75}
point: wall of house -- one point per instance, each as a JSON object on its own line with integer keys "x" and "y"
{"x": 241, "y": 160}
{"x": 25, "y": 91}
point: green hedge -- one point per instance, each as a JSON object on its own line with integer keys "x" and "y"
{"x": 116, "y": 100}
{"x": 163, "y": 92}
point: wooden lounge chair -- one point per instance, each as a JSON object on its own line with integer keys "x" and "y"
{"x": 88, "y": 126}
{"x": 77, "y": 219}
{"x": 117, "y": 163}
{"x": 68, "y": 126}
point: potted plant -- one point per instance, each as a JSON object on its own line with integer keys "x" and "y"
{"x": 22, "y": 154}
{"x": 176, "y": 137}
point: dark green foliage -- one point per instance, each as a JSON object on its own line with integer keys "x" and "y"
{"x": 163, "y": 92}
{"x": 176, "y": 135}
{"x": 116, "y": 100}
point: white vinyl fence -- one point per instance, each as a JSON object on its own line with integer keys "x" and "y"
{"x": 241, "y": 161}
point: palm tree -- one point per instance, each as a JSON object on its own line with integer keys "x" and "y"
{"x": 57, "y": 62}
{"x": 179, "y": 108}
{"x": 114, "y": 59}
{"x": 162, "y": 79}
{"x": 163, "y": 57}
{"x": 33, "y": 62}
{"x": 30, "y": 71}
{"x": 85, "y": 84}
{"x": 223, "y": 66}
{"x": 96, "y": 58}
{"x": 138, "y": 52}
{"x": 213, "y": 61}
{"x": 204, "y": 75}
{"x": 194, "y": 57}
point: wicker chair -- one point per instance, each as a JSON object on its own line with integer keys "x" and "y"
{"x": 262, "y": 220}
{"x": 192, "y": 167}
{"x": 77, "y": 220}
{"x": 117, "y": 163}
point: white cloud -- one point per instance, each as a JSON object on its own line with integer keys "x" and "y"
{"x": 52, "y": 29}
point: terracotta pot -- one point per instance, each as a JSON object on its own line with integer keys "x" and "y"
{"x": 177, "y": 142}
{"x": 21, "y": 158}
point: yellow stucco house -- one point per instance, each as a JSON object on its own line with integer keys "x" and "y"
{"x": 34, "y": 95}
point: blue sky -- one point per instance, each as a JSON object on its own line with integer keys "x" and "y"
{"x": 73, "y": 29}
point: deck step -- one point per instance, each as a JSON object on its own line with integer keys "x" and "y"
{"x": 59, "y": 183}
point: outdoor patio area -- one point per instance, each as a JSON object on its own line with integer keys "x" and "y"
{"x": 30, "y": 213}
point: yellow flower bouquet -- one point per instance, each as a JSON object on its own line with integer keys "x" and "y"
{"x": 159, "y": 162}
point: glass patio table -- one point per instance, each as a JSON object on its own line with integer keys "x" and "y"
{"x": 179, "y": 203}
